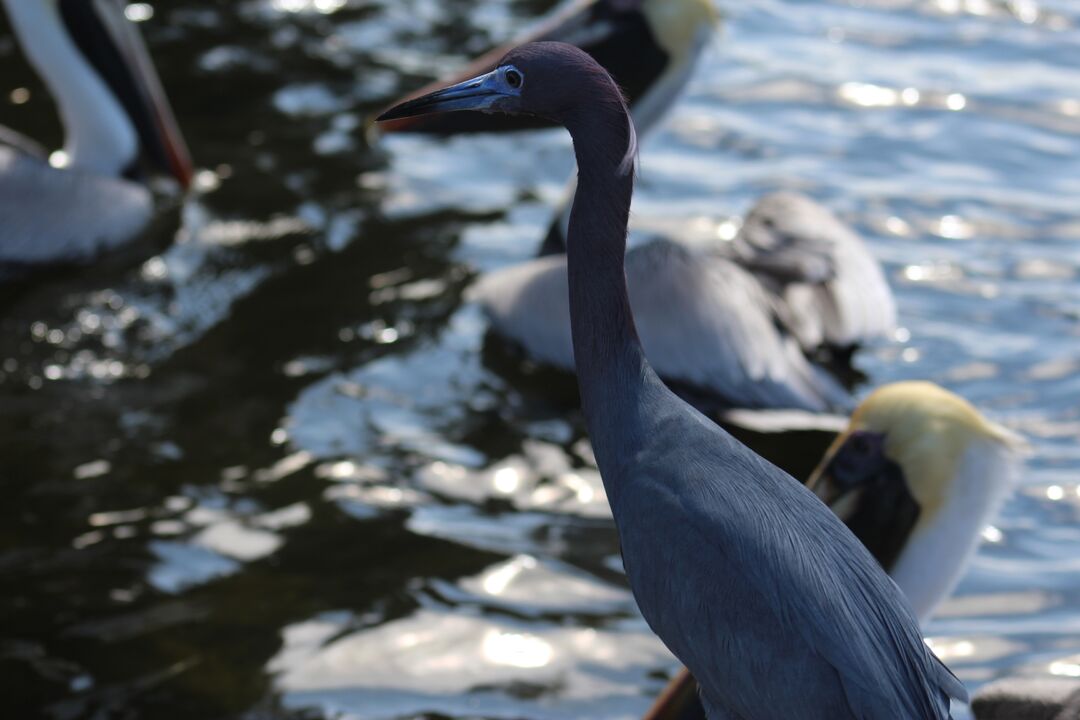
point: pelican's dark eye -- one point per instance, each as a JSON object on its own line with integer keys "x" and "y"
{"x": 513, "y": 78}
{"x": 860, "y": 444}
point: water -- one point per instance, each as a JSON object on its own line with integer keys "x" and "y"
{"x": 266, "y": 464}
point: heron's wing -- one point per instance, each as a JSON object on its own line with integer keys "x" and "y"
{"x": 822, "y": 585}
{"x": 49, "y": 215}
{"x": 701, "y": 320}
{"x": 830, "y": 288}
{"x": 706, "y": 322}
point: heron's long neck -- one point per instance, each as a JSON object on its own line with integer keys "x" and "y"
{"x": 99, "y": 137}
{"x": 610, "y": 362}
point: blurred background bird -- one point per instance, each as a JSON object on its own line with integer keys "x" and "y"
{"x": 732, "y": 323}
{"x": 117, "y": 123}
{"x": 917, "y": 475}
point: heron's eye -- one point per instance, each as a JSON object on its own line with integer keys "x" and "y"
{"x": 513, "y": 78}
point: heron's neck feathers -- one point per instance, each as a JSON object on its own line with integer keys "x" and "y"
{"x": 98, "y": 135}
{"x": 611, "y": 366}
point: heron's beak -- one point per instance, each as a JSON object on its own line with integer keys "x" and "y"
{"x": 479, "y": 93}
{"x": 880, "y": 509}
{"x": 111, "y": 43}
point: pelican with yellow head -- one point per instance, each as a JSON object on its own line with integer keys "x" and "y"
{"x": 917, "y": 475}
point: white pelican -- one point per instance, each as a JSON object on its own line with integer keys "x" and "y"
{"x": 917, "y": 475}
{"x": 706, "y": 324}
{"x": 730, "y": 319}
{"x": 113, "y": 111}
{"x": 750, "y": 580}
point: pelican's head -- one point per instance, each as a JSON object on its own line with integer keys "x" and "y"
{"x": 114, "y": 110}
{"x": 917, "y": 475}
{"x": 679, "y": 25}
{"x": 795, "y": 228}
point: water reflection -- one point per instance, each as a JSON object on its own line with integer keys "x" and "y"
{"x": 454, "y": 660}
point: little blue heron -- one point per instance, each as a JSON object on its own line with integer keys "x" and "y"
{"x": 917, "y": 475}
{"x": 749, "y": 579}
{"x": 112, "y": 108}
{"x": 649, "y": 46}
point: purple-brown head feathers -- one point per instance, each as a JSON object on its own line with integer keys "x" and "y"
{"x": 553, "y": 80}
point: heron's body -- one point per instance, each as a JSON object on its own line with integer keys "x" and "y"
{"x": 796, "y": 610}
{"x": 112, "y": 109}
{"x": 918, "y": 499}
{"x": 707, "y": 527}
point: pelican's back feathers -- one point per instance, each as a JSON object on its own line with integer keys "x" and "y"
{"x": 49, "y": 215}
{"x": 702, "y": 321}
{"x": 832, "y": 289}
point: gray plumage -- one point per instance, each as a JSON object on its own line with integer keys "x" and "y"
{"x": 49, "y": 215}
{"x": 751, "y": 581}
{"x": 704, "y": 322}
{"x": 830, "y": 289}
{"x": 802, "y": 621}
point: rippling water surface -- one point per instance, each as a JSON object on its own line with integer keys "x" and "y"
{"x": 266, "y": 463}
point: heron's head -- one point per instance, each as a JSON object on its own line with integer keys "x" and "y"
{"x": 912, "y": 454}
{"x": 548, "y": 79}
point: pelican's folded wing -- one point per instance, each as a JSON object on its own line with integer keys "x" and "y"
{"x": 49, "y": 215}
{"x": 702, "y": 321}
{"x": 830, "y": 288}
{"x": 529, "y": 304}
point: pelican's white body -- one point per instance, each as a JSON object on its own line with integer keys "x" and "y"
{"x": 69, "y": 213}
{"x": 98, "y": 138}
{"x": 938, "y": 551}
{"x": 702, "y": 320}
